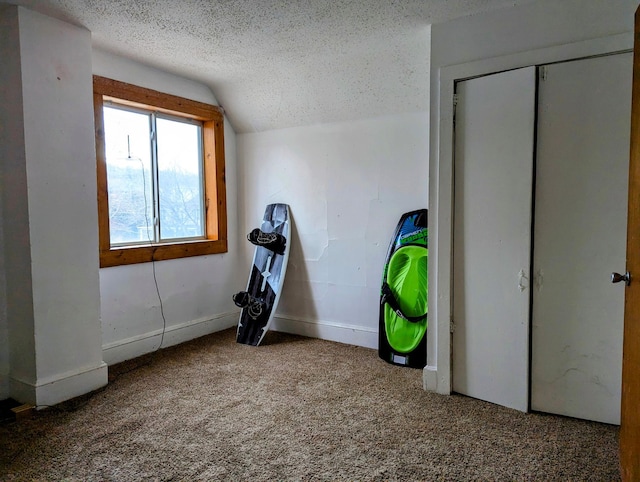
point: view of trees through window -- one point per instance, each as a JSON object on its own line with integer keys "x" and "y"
{"x": 154, "y": 177}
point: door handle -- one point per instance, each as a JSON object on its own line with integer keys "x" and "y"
{"x": 522, "y": 278}
{"x": 617, "y": 277}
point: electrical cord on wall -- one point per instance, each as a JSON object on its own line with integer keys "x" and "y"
{"x": 153, "y": 252}
{"x": 164, "y": 319}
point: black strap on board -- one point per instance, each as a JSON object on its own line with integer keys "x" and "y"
{"x": 389, "y": 298}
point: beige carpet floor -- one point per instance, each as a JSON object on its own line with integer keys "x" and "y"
{"x": 293, "y": 409}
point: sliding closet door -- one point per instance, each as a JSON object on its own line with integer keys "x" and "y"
{"x": 494, "y": 144}
{"x": 580, "y": 235}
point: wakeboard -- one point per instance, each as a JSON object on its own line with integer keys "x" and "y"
{"x": 402, "y": 334}
{"x": 271, "y": 254}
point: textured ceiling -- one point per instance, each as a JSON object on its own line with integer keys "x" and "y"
{"x": 280, "y": 63}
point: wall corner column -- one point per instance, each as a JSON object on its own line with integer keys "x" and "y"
{"x": 48, "y": 210}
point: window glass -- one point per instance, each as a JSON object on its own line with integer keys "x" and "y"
{"x": 128, "y": 156}
{"x": 154, "y": 182}
{"x": 180, "y": 188}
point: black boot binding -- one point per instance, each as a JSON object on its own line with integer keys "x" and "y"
{"x": 273, "y": 241}
{"x": 255, "y": 307}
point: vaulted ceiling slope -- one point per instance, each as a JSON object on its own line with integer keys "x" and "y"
{"x": 280, "y": 63}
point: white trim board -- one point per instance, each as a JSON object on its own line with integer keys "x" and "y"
{"x": 55, "y": 389}
{"x": 441, "y": 183}
{"x": 327, "y": 330}
{"x": 135, "y": 346}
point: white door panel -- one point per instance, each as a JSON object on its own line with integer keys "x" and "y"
{"x": 495, "y": 120}
{"x": 579, "y": 237}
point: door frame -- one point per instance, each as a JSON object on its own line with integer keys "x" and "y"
{"x": 629, "y": 419}
{"x": 437, "y": 375}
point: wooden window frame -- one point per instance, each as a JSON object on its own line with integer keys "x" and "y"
{"x": 212, "y": 119}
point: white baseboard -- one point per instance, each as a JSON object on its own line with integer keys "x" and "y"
{"x": 60, "y": 387}
{"x": 430, "y": 378}
{"x": 434, "y": 381}
{"x": 327, "y": 330}
{"x": 132, "y": 347}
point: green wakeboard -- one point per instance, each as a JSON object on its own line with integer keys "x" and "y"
{"x": 403, "y": 298}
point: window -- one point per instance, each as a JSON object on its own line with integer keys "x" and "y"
{"x": 160, "y": 166}
{"x": 154, "y": 176}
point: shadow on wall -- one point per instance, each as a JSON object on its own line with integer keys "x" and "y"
{"x": 297, "y": 303}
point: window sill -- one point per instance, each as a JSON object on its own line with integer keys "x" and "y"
{"x": 160, "y": 252}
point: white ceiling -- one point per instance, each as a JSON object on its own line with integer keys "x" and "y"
{"x": 280, "y": 63}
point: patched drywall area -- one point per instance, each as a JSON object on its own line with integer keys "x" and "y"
{"x": 184, "y": 298}
{"x": 347, "y": 185}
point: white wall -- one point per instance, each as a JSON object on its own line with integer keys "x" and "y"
{"x": 11, "y": 157}
{"x": 4, "y": 326}
{"x": 533, "y": 34}
{"x": 196, "y": 292}
{"x": 347, "y": 185}
{"x": 49, "y": 213}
